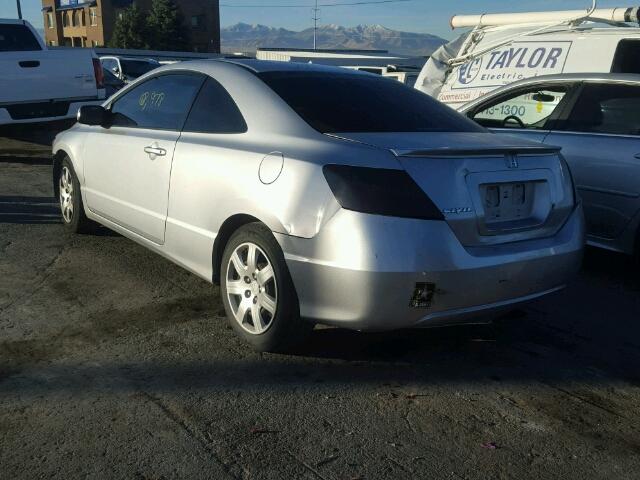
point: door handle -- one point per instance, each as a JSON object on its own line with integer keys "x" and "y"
{"x": 637, "y": 155}
{"x": 157, "y": 151}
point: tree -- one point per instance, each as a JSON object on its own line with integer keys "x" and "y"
{"x": 165, "y": 27}
{"x": 130, "y": 30}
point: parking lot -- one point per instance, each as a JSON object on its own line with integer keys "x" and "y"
{"x": 115, "y": 363}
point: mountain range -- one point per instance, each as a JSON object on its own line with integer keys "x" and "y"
{"x": 243, "y": 37}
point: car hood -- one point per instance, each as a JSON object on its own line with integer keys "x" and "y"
{"x": 443, "y": 143}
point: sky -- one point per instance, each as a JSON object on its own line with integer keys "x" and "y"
{"x": 425, "y": 16}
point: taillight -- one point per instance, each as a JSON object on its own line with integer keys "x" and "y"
{"x": 379, "y": 191}
{"x": 98, "y": 73}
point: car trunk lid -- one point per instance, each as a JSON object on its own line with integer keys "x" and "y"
{"x": 490, "y": 190}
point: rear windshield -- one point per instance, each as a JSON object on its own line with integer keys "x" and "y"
{"x": 335, "y": 102}
{"x": 17, "y": 38}
{"x": 137, "y": 68}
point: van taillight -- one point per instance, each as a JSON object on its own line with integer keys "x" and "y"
{"x": 98, "y": 73}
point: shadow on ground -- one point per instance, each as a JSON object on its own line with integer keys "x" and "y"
{"x": 28, "y": 210}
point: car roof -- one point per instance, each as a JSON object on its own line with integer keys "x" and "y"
{"x": 120, "y": 57}
{"x": 577, "y": 77}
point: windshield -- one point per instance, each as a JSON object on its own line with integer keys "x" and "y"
{"x": 17, "y": 38}
{"x": 335, "y": 102}
{"x": 136, "y": 68}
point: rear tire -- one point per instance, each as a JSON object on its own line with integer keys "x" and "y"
{"x": 259, "y": 297}
{"x": 74, "y": 218}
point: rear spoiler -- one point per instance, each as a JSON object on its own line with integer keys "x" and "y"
{"x": 486, "y": 152}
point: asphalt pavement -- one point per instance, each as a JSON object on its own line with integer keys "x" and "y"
{"x": 115, "y": 363}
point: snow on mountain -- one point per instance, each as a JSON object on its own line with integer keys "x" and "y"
{"x": 247, "y": 38}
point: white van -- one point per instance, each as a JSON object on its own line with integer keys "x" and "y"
{"x": 503, "y": 48}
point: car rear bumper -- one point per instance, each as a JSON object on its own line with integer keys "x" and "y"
{"x": 361, "y": 271}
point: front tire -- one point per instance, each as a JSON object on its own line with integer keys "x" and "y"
{"x": 74, "y": 218}
{"x": 257, "y": 291}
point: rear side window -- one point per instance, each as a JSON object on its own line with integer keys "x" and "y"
{"x": 334, "y": 102}
{"x": 612, "y": 109}
{"x": 214, "y": 111}
{"x": 159, "y": 103}
{"x": 17, "y": 38}
{"x": 627, "y": 58}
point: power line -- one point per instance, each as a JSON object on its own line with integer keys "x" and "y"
{"x": 342, "y": 4}
{"x": 315, "y": 19}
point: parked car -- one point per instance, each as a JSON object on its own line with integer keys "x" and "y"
{"x": 595, "y": 118}
{"x": 499, "y": 48}
{"x": 315, "y": 208}
{"x": 112, "y": 83}
{"x": 128, "y": 69}
{"x": 40, "y": 85}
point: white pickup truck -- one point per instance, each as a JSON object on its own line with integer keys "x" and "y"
{"x": 40, "y": 85}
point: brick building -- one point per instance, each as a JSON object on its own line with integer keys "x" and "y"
{"x": 90, "y": 23}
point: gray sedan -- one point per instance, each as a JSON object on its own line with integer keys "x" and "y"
{"x": 595, "y": 118}
{"x": 321, "y": 195}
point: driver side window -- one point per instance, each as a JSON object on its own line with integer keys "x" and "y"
{"x": 529, "y": 109}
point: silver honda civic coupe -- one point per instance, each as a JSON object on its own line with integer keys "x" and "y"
{"x": 321, "y": 195}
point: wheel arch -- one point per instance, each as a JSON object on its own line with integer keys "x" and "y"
{"x": 228, "y": 227}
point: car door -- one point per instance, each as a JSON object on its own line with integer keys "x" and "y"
{"x": 525, "y": 112}
{"x": 600, "y": 139}
{"x": 209, "y": 161}
{"x": 128, "y": 164}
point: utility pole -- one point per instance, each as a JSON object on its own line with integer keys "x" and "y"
{"x": 19, "y": 9}
{"x": 315, "y": 19}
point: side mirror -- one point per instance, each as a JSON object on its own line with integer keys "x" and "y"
{"x": 93, "y": 115}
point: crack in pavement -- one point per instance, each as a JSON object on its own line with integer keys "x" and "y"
{"x": 191, "y": 431}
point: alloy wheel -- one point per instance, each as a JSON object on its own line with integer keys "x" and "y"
{"x": 66, "y": 194}
{"x": 251, "y": 288}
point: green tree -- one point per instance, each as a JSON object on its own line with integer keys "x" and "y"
{"x": 130, "y": 30}
{"x": 165, "y": 27}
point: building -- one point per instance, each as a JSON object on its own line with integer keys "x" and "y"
{"x": 90, "y": 23}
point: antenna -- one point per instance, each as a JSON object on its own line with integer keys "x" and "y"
{"x": 19, "y": 9}
{"x": 315, "y": 19}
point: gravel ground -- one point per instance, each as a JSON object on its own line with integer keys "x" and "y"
{"x": 114, "y": 363}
